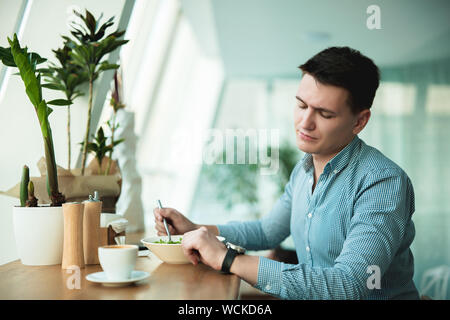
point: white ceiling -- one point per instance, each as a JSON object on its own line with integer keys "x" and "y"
{"x": 267, "y": 38}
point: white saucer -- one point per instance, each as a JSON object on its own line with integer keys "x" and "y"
{"x": 100, "y": 277}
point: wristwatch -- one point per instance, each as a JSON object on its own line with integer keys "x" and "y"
{"x": 232, "y": 252}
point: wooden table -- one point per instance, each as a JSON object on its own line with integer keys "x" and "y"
{"x": 166, "y": 282}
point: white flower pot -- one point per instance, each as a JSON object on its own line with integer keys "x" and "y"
{"x": 39, "y": 234}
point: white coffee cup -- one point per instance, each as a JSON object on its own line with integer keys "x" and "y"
{"x": 118, "y": 261}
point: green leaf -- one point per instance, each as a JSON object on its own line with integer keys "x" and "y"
{"x": 36, "y": 59}
{"x": 72, "y": 80}
{"x": 107, "y": 66}
{"x": 60, "y": 102}
{"x": 91, "y": 68}
{"x": 43, "y": 112}
{"x": 45, "y": 71}
{"x": 77, "y": 94}
{"x": 92, "y": 147}
{"x": 101, "y": 31}
{"x": 27, "y": 73}
{"x": 6, "y": 57}
{"x": 40, "y": 87}
{"x": 115, "y": 143}
{"x": 53, "y": 86}
{"x": 90, "y": 22}
{"x": 100, "y": 134}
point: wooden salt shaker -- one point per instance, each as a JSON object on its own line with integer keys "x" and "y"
{"x": 73, "y": 235}
{"x": 91, "y": 229}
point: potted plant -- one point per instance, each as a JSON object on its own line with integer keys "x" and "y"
{"x": 99, "y": 148}
{"x": 39, "y": 230}
{"x": 90, "y": 49}
{"x": 65, "y": 77}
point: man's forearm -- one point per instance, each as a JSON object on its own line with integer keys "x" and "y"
{"x": 211, "y": 228}
{"x": 246, "y": 268}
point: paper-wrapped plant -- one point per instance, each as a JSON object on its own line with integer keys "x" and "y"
{"x": 99, "y": 147}
{"x": 26, "y": 62}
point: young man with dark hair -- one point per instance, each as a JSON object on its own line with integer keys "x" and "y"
{"x": 346, "y": 205}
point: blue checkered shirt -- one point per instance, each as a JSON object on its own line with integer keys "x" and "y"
{"x": 352, "y": 234}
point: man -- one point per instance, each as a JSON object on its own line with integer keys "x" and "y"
{"x": 347, "y": 206}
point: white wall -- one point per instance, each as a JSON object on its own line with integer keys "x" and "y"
{"x": 20, "y": 135}
{"x": 9, "y": 11}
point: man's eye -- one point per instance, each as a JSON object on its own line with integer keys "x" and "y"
{"x": 301, "y": 106}
{"x": 326, "y": 116}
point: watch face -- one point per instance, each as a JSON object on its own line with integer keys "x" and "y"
{"x": 235, "y": 247}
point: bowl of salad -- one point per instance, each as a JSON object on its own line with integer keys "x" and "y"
{"x": 170, "y": 252}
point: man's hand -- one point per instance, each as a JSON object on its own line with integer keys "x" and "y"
{"x": 202, "y": 245}
{"x": 177, "y": 223}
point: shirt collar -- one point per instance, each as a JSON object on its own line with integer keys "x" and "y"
{"x": 307, "y": 162}
{"x": 338, "y": 162}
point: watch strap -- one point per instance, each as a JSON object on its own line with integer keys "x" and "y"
{"x": 228, "y": 260}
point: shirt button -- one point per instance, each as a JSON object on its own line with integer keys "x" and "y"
{"x": 335, "y": 171}
{"x": 309, "y": 215}
{"x": 307, "y": 248}
{"x": 268, "y": 287}
{"x": 310, "y": 180}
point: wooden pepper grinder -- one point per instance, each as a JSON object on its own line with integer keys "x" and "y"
{"x": 91, "y": 229}
{"x": 73, "y": 235}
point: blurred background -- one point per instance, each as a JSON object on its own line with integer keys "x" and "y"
{"x": 193, "y": 69}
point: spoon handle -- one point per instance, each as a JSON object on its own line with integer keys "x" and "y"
{"x": 164, "y": 220}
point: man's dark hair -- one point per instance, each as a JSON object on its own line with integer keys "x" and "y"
{"x": 347, "y": 68}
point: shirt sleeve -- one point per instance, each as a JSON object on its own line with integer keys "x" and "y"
{"x": 269, "y": 231}
{"x": 383, "y": 206}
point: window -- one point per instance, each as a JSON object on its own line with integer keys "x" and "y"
{"x": 394, "y": 98}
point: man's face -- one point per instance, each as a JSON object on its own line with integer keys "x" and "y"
{"x": 324, "y": 123}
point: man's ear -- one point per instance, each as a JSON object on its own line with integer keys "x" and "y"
{"x": 361, "y": 120}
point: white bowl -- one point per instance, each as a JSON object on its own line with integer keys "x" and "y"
{"x": 170, "y": 253}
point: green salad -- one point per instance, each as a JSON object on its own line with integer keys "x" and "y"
{"x": 169, "y": 242}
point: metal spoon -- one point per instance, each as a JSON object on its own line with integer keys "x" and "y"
{"x": 164, "y": 220}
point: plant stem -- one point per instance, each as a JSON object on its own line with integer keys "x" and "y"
{"x": 88, "y": 125}
{"x": 52, "y": 178}
{"x": 99, "y": 167}
{"x": 113, "y": 127}
{"x": 68, "y": 137}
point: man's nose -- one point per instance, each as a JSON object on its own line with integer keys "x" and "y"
{"x": 308, "y": 120}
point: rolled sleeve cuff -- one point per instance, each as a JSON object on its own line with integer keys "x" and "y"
{"x": 227, "y": 231}
{"x": 269, "y": 276}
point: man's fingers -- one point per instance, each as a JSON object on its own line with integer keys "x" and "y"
{"x": 159, "y": 226}
{"x": 171, "y": 229}
{"x": 194, "y": 257}
{"x": 161, "y": 213}
{"x": 192, "y": 254}
{"x": 165, "y": 212}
